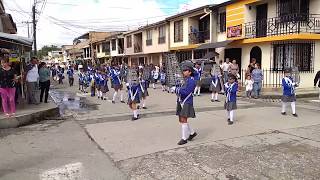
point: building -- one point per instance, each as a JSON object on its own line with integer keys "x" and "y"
{"x": 66, "y": 52}
{"x": 279, "y": 34}
{"x": 7, "y": 25}
{"x": 56, "y": 57}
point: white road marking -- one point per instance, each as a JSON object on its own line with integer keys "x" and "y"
{"x": 66, "y": 172}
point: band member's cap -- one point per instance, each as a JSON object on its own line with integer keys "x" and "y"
{"x": 187, "y": 65}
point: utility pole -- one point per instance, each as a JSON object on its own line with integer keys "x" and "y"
{"x": 34, "y": 28}
{"x": 28, "y": 24}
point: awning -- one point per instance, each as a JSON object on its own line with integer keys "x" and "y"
{"x": 15, "y": 39}
{"x": 215, "y": 45}
{"x": 210, "y": 55}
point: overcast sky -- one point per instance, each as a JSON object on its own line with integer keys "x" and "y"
{"x": 63, "y": 20}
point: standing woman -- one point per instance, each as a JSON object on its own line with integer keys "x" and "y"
{"x": 44, "y": 82}
{"x": 234, "y": 68}
{"x": 257, "y": 77}
{"x": 7, "y": 87}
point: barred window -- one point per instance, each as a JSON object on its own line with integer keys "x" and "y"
{"x": 293, "y": 54}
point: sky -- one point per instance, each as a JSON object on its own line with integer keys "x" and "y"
{"x": 60, "y": 21}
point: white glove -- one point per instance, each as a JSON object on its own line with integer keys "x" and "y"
{"x": 127, "y": 84}
{"x": 173, "y": 89}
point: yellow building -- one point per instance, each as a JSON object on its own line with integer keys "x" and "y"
{"x": 278, "y": 33}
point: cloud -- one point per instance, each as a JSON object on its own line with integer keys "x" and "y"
{"x": 62, "y": 21}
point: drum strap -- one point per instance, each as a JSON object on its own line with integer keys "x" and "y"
{"x": 133, "y": 96}
{"x": 185, "y": 100}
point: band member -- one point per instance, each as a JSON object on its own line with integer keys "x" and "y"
{"x": 155, "y": 76}
{"x": 93, "y": 83}
{"x": 215, "y": 87}
{"x": 231, "y": 88}
{"x": 81, "y": 76}
{"x": 163, "y": 80}
{"x": 185, "y": 107}
{"x": 143, "y": 89}
{"x": 117, "y": 84}
{"x": 70, "y": 73}
{"x": 197, "y": 77}
{"x": 103, "y": 86}
{"x": 289, "y": 94}
{"x": 133, "y": 87}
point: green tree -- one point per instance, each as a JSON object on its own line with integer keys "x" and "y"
{"x": 45, "y": 49}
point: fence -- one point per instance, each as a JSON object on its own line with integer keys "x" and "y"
{"x": 271, "y": 79}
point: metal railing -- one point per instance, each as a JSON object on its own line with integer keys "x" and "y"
{"x": 271, "y": 78}
{"x": 199, "y": 37}
{"x": 289, "y": 24}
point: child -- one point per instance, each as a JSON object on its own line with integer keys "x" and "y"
{"x": 163, "y": 80}
{"x": 86, "y": 82}
{"x": 93, "y": 84}
{"x": 155, "y": 76}
{"x": 103, "y": 86}
{"x": 197, "y": 77}
{"x": 215, "y": 87}
{"x": 231, "y": 88}
{"x": 143, "y": 90}
{"x": 70, "y": 76}
{"x": 288, "y": 93}
{"x": 81, "y": 80}
{"x": 117, "y": 84}
{"x": 249, "y": 86}
{"x": 133, "y": 98}
{"x": 185, "y": 107}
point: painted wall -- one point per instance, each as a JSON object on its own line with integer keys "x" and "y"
{"x": 155, "y": 47}
{"x": 115, "y": 52}
{"x": 314, "y": 7}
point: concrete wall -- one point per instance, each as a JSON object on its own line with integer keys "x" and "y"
{"x": 314, "y": 7}
{"x": 155, "y": 47}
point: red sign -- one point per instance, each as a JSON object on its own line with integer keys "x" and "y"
{"x": 234, "y": 31}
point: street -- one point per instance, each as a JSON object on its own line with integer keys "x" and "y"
{"x": 95, "y": 139}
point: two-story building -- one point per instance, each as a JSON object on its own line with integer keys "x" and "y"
{"x": 189, "y": 30}
{"x": 279, "y": 34}
{"x": 133, "y": 47}
{"x": 116, "y": 44}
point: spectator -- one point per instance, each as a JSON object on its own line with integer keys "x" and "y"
{"x": 257, "y": 77}
{"x": 32, "y": 78}
{"x": 7, "y": 87}
{"x": 225, "y": 67}
{"x": 44, "y": 81}
{"x": 234, "y": 68}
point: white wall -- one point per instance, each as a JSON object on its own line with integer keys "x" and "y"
{"x": 128, "y": 51}
{"x": 314, "y": 7}
{"x": 155, "y": 47}
{"x": 115, "y": 52}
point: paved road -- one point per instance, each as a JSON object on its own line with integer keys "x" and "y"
{"x": 101, "y": 142}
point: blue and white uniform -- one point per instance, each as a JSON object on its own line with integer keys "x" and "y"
{"x": 185, "y": 99}
{"x": 115, "y": 78}
{"x": 231, "y": 96}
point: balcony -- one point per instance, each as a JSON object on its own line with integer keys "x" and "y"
{"x": 289, "y": 24}
{"x": 199, "y": 37}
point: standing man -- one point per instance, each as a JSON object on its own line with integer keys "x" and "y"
{"x": 317, "y": 81}
{"x": 32, "y": 79}
{"x": 225, "y": 67}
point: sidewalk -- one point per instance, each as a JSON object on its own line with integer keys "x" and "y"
{"x": 28, "y": 114}
{"x": 277, "y": 93}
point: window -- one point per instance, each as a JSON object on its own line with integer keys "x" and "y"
{"x": 293, "y": 54}
{"x": 222, "y": 22}
{"x": 129, "y": 41}
{"x": 98, "y": 48}
{"x": 113, "y": 44}
{"x": 162, "y": 34}
{"x": 290, "y": 10}
{"x": 106, "y": 47}
{"x": 178, "y": 31}
{"x": 149, "y": 37}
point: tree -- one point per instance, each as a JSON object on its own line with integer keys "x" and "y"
{"x": 45, "y": 49}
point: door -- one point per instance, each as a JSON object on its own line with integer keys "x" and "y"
{"x": 234, "y": 54}
{"x": 261, "y": 20}
{"x": 256, "y": 53}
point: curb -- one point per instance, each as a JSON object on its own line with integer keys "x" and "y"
{"x": 27, "y": 119}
